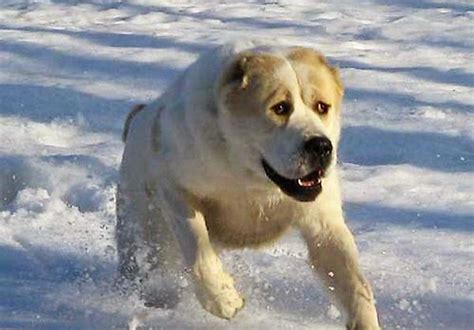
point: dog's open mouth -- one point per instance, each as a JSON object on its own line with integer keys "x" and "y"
{"x": 304, "y": 189}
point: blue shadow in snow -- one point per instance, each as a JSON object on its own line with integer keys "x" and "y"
{"x": 44, "y": 104}
{"x": 398, "y": 100}
{"x": 82, "y": 65}
{"x": 368, "y": 215}
{"x": 434, "y": 309}
{"x": 450, "y": 76}
{"x": 367, "y": 145}
{"x": 123, "y": 40}
{"x": 424, "y": 4}
{"x": 255, "y": 22}
{"x": 29, "y": 279}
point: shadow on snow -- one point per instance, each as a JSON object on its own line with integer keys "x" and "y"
{"x": 89, "y": 66}
{"x": 367, "y": 216}
{"x": 369, "y": 146}
{"x": 448, "y": 76}
{"x": 31, "y": 279}
{"x": 122, "y": 40}
{"x": 45, "y": 103}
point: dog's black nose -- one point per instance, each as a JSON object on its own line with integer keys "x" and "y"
{"x": 318, "y": 146}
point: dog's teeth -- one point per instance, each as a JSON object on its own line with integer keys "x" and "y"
{"x": 305, "y": 183}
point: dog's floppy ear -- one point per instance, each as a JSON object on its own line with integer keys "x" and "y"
{"x": 236, "y": 72}
{"x": 337, "y": 79}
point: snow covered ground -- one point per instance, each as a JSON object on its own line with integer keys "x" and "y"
{"x": 70, "y": 71}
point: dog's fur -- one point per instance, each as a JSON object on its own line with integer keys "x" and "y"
{"x": 192, "y": 174}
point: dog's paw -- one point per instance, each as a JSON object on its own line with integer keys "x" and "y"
{"x": 362, "y": 326}
{"x": 220, "y": 297}
{"x": 357, "y": 325}
{"x": 365, "y": 318}
{"x": 225, "y": 305}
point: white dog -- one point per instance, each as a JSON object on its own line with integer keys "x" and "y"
{"x": 240, "y": 148}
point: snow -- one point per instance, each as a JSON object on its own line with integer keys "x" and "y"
{"x": 70, "y": 70}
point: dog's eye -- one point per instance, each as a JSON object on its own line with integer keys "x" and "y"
{"x": 282, "y": 108}
{"x": 322, "y": 108}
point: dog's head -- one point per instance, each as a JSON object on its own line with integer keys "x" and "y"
{"x": 279, "y": 114}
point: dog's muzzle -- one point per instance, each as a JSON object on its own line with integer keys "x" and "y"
{"x": 318, "y": 152}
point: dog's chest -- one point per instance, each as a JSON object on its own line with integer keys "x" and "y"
{"x": 247, "y": 224}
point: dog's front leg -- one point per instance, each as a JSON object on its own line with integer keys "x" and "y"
{"x": 214, "y": 287}
{"x": 334, "y": 257}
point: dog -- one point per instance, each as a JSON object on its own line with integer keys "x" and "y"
{"x": 241, "y": 148}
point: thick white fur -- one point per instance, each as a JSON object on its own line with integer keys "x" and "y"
{"x": 192, "y": 174}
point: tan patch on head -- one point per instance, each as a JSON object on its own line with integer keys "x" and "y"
{"x": 249, "y": 67}
{"x": 307, "y": 55}
{"x": 251, "y": 85}
{"x": 315, "y": 59}
{"x": 319, "y": 82}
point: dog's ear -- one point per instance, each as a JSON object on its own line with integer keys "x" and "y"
{"x": 236, "y": 72}
{"x": 337, "y": 79}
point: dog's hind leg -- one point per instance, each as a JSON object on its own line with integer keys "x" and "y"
{"x": 127, "y": 235}
{"x": 161, "y": 257}
{"x": 146, "y": 251}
